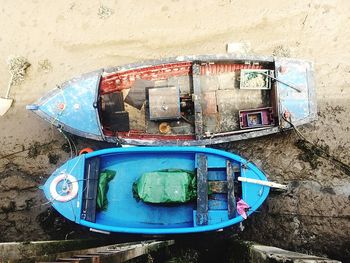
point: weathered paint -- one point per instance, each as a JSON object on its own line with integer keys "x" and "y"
{"x": 85, "y": 121}
{"x": 70, "y": 106}
{"x": 300, "y": 105}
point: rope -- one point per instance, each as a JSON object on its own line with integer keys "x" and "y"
{"x": 69, "y": 142}
{"x": 73, "y": 143}
{"x": 118, "y": 142}
{"x": 14, "y": 153}
{"x": 317, "y": 150}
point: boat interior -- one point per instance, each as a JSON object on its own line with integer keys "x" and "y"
{"x": 217, "y": 191}
{"x": 193, "y": 99}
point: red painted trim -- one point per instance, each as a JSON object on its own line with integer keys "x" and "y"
{"x": 125, "y": 79}
{"x": 135, "y": 134}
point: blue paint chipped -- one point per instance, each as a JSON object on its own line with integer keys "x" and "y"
{"x": 72, "y": 208}
{"x": 72, "y": 105}
{"x": 296, "y": 103}
{"x": 71, "y": 108}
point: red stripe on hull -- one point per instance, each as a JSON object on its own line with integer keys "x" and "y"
{"x": 124, "y": 80}
{"x": 134, "y": 134}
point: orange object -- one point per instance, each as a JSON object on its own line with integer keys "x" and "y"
{"x": 164, "y": 127}
{"x": 85, "y": 150}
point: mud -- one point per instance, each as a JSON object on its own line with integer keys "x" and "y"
{"x": 314, "y": 215}
{"x": 80, "y": 36}
{"x": 18, "y": 207}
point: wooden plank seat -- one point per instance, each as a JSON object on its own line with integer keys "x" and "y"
{"x": 215, "y": 187}
{"x": 202, "y": 189}
{"x": 231, "y": 199}
{"x": 92, "y": 171}
{"x": 197, "y": 101}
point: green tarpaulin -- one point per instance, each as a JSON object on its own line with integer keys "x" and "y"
{"x": 166, "y": 186}
{"x": 105, "y": 177}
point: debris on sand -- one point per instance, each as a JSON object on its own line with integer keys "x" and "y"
{"x": 241, "y": 48}
{"x": 104, "y": 12}
{"x": 57, "y": 227}
{"x": 281, "y": 51}
{"x": 44, "y": 66}
{"x": 53, "y": 158}
{"x": 313, "y": 151}
{"x": 310, "y": 153}
{"x": 36, "y": 148}
{"x": 17, "y": 67}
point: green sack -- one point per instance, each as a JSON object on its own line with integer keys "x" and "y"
{"x": 166, "y": 186}
{"x": 105, "y": 177}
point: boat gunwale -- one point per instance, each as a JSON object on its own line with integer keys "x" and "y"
{"x": 229, "y": 57}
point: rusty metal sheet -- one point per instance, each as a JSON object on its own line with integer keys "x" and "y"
{"x": 164, "y": 103}
{"x": 209, "y": 103}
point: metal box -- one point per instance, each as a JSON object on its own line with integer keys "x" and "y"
{"x": 255, "y": 79}
{"x": 255, "y": 118}
{"x": 164, "y": 103}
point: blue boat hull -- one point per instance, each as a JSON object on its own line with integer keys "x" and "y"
{"x": 126, "y": 214}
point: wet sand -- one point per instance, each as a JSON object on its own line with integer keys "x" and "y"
{"x": 64, "y": 39}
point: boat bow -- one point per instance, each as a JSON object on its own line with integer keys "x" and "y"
{"x": 72, "y": 106}
{"x": 63, "y": 188}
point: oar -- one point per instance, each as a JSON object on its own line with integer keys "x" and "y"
{"x": 6, "y": 102}
{"x": 285, "y": 83}
{"x": 262, "y": 182}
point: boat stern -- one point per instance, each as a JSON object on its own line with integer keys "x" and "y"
{"x": 253, "y": 194}
{"x": 296, "y": 97}
{"x": 72, "y": 106}
{"x": 63, "y": 189}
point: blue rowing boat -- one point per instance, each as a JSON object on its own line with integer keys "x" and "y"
{"x": 74, "y": 189}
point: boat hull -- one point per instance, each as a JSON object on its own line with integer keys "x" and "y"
{"x": 129, "y": 215}
{"x": 208, "y": 83}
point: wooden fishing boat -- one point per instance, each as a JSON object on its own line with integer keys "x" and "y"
{"x": 187, "y": 100}
{"x": 220, "y": 185}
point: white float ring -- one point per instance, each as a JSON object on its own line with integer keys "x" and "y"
{"x": 71, "y": 191}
